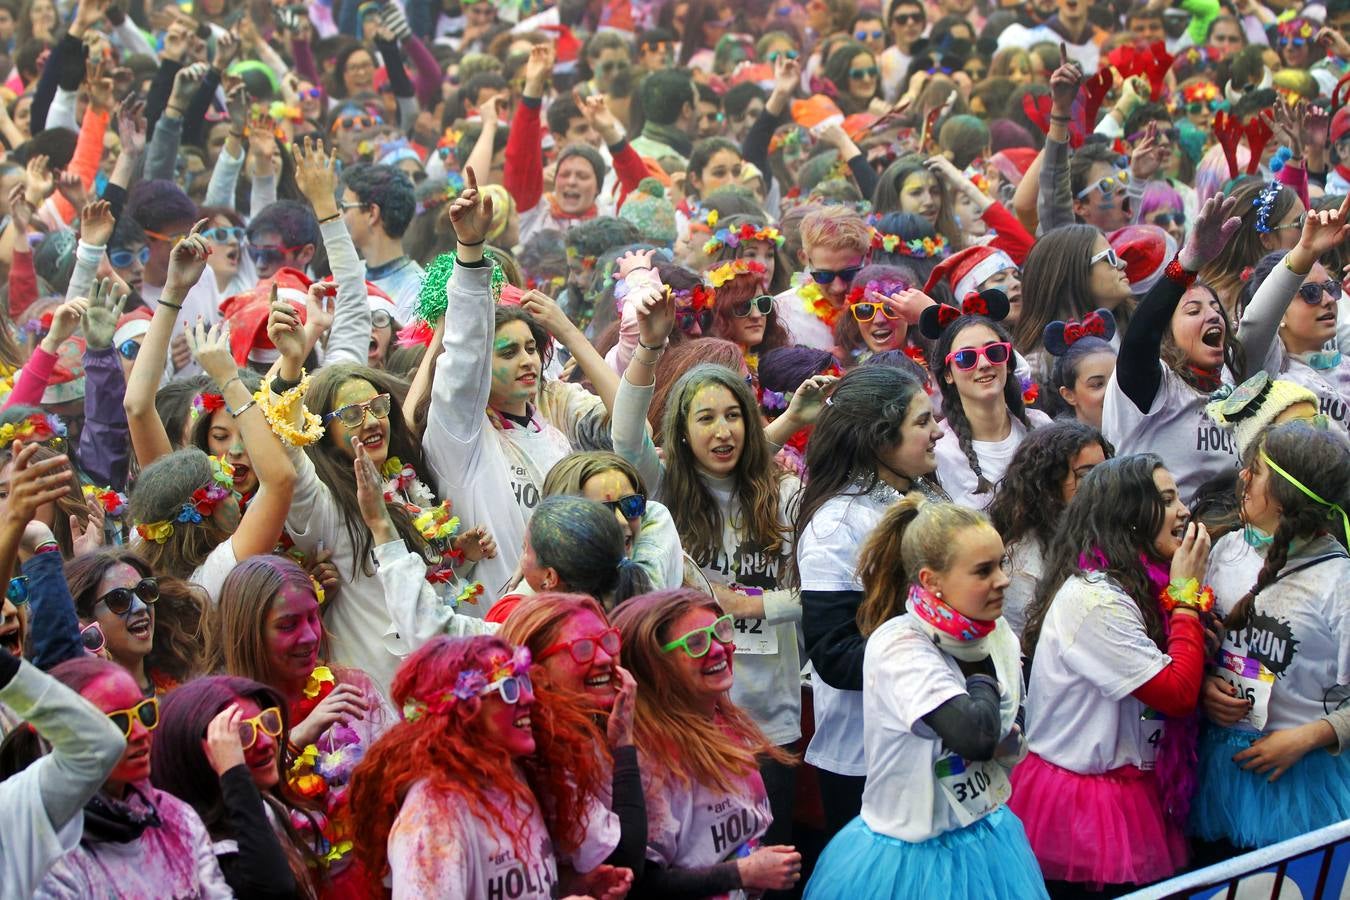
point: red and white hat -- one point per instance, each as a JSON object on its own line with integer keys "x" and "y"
{"x": 131, "y": 326}
{"x": 967, "y": 269}
{"x": 247, "y": 314}
{"x": 1146, "y": 251}
{"x": 1340, "y": 125}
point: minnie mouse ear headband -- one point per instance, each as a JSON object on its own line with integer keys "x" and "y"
{"x": 991, "y": 304}
{"x": 1247, "y": 409}
{"x": 1058, "y": 337}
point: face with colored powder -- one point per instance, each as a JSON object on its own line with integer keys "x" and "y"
{"x": 130, "y": 638}
{"x": 607, "y": 487}
{"x": 115, "y": 692}
{"x": 516, "y": 365}
{"x": 224, "y": 440}
{"x": 712, "y": 674}
{"x": 715, "y": 430}
{"x": 372, "y": 433}
{"x": 974, "y": 580}
{"x": 261, "y": 758}
{"x": 596, "y": 677}
{"x": 507, "y": 725}
{"x": 293, "y": 632}
{"x": 921, "y": 196}
{"x": 762, "y": 252}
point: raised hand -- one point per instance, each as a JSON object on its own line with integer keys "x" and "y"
{"x": 655, "y": 311}
{"x": 596, "y": 110}
{"x": 65, "y": 320}
{"x": 33, "y": 485}
{"x": 211, "y": 348}
{"x": 476, "y": 544}
{"x": 87, "y": 536}
{"x": 538, "y": 68}
{"x": 40, "y": 180}
{"x": 471, "y": 212}
{"x": 1214, "y": 226}
{"x": 227, "y": 48}
{"x": 633, "y": 260}
{"x": 131, "y": 125}
{"x": 318, "y": 310}
{"x": 187, "y": 260}
{"x": 176, "y": 41}
{"x": 99, "y": 83}
{"x": 787, "y": 75}
{"x": 285, "y": 330}
{"x": 619, "y": 726}
{"x": 100, "y": 318}
{"x": 316, "y": 175}
{"x": 809, "y": 399}
{"x": 546, "y": 312}
{"x": 1322, "y": 231}
{"x": 20, "y": 211}
{"x": 370, "y": 496}
{"x": 1147, "y": 157}
{"x": 1064, "y": 83}
{"x": 71, "y": 186}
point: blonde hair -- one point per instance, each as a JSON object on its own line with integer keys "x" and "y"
{"x": 837, "y": 228}
{"x": 914, "y": 534}
{"x": 670, "y": 725}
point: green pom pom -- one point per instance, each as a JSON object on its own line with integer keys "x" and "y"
{"x": 431, "y": 299}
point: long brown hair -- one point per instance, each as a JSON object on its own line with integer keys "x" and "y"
{"x": 670, "y": 725}
{"x": 698, "y": 517}
{"x": 236, "y": 629}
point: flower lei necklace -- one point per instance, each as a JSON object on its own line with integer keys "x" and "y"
{"x": 114, "y": 503}
{"x": 322, "y": 774}
{"x": 402, "y": 479}
{"x": 199, "y": 507}
{"x": 434, "y": 521}
{"x": 815, "y": 302}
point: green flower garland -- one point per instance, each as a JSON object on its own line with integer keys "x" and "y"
{"x": 431, "y": 299}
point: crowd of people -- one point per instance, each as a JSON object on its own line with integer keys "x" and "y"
{"x": 670, "y": 448}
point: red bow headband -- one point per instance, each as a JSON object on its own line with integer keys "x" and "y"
{"x": 990, "y": 304}
{"x": 1058, "y": 337}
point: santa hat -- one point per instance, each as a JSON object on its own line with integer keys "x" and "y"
{"x": 1012, "y": 163}
{"x": 1340, "y": 126}
{"x": 1146, "y": 251}
{"x": 131, "y": 326}
{"x": 966, "y": 270}
{"x": 377, "y": 300}
{"x": 247, "y": 314}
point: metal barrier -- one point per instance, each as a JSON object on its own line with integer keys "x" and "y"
{"x": 1313, "y": 866}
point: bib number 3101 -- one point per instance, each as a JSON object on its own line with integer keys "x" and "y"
{"x": 973, "y": 789}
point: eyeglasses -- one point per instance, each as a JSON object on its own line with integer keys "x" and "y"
{"x": 223, "y": 235}
{"x": 119, "y": 600}
{"x": 763, "y": 304}
{"x": 1109, "y": 255}
{"x": 826, "y": 276}
{"x": 698, "y": 642}
{"x": 1169, "y": 134}
{"x": 311, "y": 94}
{"x": 1312, "y": 292}
{"x": 781, "y": 54}
{"x": 860, "y": 74}
{"x": 875, "y": 34}
{"x": 509, "y": 688}
{"x": 353, "y": 414}
{"x": 969, "y": 357}
{"x": 583, "y": 649}
{"x": 16, "y": 591}
{"x": 147, "y": 711}
{"x": 907, "y": 18}
{"x": 91, "y": 636}
{"x": 269, "y": 256}
{"x": 348, "y": 123}
{"x": 1162, "y": 220}
{"x": 129, "y": 348}
{"x": 686, "y": 320}
{"x": 381, "y": 319}
{"x": 1297, "y": 223}
{"x": 122, "y": 259}
{"x": 1108, "y": 185}
{"x": 171, "y": 238}
{"x": 630, "y": 506}
{"x": 352, "y": 204}
{"x": 1286, "y": 41}
{"x": 867, "y": 311}
{"x": 268, "y": 722}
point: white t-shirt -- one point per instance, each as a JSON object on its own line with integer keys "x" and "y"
{"x": 953, "y": 469}
{"x": 693, "y": 826}
{"x": 1028, "y": 568}
{"x": 827, "y": 556}
{"x": 1299, "y": 631}
{"x": 1092, "y": 655}
{"x": 439, "y": 847}
{"x": 1192, "y": 445}
{"x": 1332, "y": 387}
{"x": 767, "y": 684}
{"x": 803, "y": 328}
{"x": 29, "y": 844}
{"x": 213, "y": 570}
{"x": 905, "y": 677}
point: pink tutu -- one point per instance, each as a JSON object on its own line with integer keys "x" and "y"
{"x": 1096, "y": 829}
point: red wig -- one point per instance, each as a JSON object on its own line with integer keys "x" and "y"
{"x": 451, "y": 751}
{"x": 739, "y": 289}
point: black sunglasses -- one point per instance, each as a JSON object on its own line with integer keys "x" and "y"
{"x": 763, "y": 303}
{"x": 686, "y": 320}
{"x": 118, "y": 600}
{"x": 825, "y": 276}
{"x": 1312, "y": 292}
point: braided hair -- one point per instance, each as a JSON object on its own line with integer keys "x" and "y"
{"x": 951, "y": 398}
{"x": 1319, "y": 460}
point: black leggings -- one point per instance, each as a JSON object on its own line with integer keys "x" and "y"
{"x": 841, "y": 799}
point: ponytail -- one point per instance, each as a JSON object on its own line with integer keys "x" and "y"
{"x": 881, "y": 566}
{"x": 632, "y": 580}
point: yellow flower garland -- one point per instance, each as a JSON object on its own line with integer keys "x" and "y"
{"x": 282, "y": 410}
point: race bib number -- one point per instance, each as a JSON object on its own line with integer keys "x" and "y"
{"x": 1151, "y": 727}
{"x": 1253, "y": 682}
{"x": 973, "y": 789}
{"x": 756, "y": 637}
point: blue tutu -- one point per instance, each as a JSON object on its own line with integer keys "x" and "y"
{"x": 988, "y": 860}
{"x": 1243, "y": 808}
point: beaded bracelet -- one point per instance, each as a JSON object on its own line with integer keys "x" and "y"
{"x": 1187, "y": 594}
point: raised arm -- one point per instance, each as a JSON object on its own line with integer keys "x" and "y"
{"x": 1054, "y": 205}
{"x": 480, "y": 157}
{"x": 260, "y": 528}
{"x": 546, "y": 312}
{"x": 1138, "y": 367}
{"x": 656, "y": 320}
{"x": 104, "y": 446}
{"x": 524, "y": 175}
{"x": 787, "y": 75}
